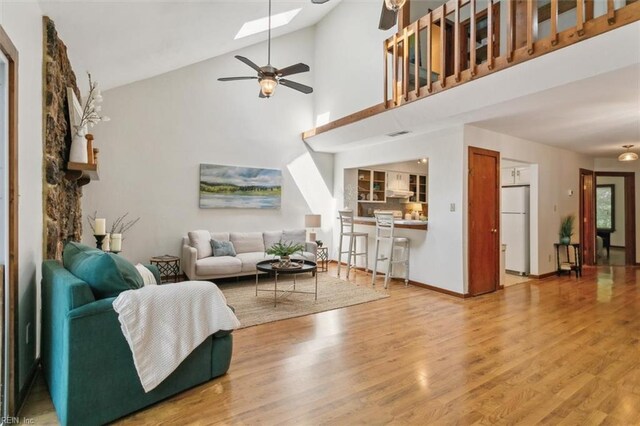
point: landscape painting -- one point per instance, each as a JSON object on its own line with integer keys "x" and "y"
{"x": 230, "y": 187}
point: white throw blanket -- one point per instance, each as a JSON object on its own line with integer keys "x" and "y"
{"x": 163, "y": 324}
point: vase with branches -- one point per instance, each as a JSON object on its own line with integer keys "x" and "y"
{"x": 90, "y": 116}
{"x": 119, "y": 226}
{"x": 91, "y": 111}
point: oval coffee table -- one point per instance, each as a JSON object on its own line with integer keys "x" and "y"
{"x": 267, "y": 266}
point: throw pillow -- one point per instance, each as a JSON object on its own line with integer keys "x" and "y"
{"x": 147, "y": 276}
{"x": 223, "y": 248}
{"x": 106, "y": 273}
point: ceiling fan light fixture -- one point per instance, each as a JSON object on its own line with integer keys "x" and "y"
{"x": 268, "y": 85}
{"x": 394, "y": 4}
{"x": 628, "y": 155}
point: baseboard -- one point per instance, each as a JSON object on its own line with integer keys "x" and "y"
{"x": 440, "y": 290}
{"x": 543, "y": 276}
{"x": 31, "y": 379}
{"x": 412, "y": 282}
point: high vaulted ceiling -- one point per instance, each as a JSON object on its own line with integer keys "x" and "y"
{"x": 129, "y": 40}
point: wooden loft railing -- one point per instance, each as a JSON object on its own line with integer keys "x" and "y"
{"x": 418, "y": 64}
{"x": 434, "y": 53}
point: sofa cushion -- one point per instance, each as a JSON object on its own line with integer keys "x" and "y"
{"x": 297, "y": 236}
{"x": 271, "y": 237}
{"x": 223, "y": 265}
{"x": 223, "y": 248}
{"x": 247, "y": 242}
{"x": 106, "y": 273}
{"x": 220, "y": 236}
{"x": 201, "y": 241}
{"x": 249, "y": 260}
{"x": 305, "y": 256}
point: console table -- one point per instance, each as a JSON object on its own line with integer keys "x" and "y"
{"x": 569, "y": 265}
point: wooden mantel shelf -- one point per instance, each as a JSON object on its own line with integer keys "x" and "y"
{"x": 83, "y": 173}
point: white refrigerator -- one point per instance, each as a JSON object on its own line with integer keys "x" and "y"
{"x": 515, "y": 228}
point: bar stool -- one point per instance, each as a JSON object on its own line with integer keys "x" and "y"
{"x": 385, "y": 232}
{"x": 346, "y": 230}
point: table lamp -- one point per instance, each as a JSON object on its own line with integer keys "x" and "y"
{"x": 417, "y": 209}
{"x": 312, "y": 221}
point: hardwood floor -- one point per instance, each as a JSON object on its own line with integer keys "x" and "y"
{"x": 556, "y": 351}
{"x": 616, "y": 257}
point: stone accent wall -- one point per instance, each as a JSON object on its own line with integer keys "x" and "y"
{"x": 62, "y": 208}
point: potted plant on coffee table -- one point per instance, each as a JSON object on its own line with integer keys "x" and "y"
{"x": 284, "y": 251}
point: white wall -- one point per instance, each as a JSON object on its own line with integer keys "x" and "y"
{"x": 349, "y": 72}
{"x": 613, "y": 165}
{"x": 617, "y": 237}
{"x": 23, "y": 23}
{"x": 162, "y": 128}
{"x": 436, "y": 255}
{"x": 557, "y": 173}
{"x": 411, "y": 166}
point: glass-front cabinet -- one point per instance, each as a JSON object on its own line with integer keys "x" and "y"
{"x": 422, "y": 189}
{"x": 418, "y": 185}
{"x": 371, "y": 186}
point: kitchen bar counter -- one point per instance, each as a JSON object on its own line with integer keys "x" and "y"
{"x": 398, "y": 223}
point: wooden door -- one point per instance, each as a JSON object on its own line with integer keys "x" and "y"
{"x": 630, "y": 217}
{"x": 484, "y": 221}
{"x": 588, "y": 216}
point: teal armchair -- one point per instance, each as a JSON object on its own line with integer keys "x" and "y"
{"x": 87, "y": 363}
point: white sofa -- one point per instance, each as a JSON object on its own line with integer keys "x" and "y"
{"x": 198, "y": 262}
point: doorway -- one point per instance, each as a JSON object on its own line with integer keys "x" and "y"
{"x": 8, "y": 222}
{"x": 615, "y": 218}
{"x": 484, "y": 220}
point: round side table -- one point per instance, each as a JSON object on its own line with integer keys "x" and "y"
{"x": 169, "y": 267}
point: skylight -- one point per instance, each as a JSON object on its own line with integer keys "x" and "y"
{"x": 262, "y": 24}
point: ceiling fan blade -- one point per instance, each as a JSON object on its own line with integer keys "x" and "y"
{"x": 261, "y": 95}
{"x": 293, "y": 69}
{"x": 319, "y": 1}
{"x": 248, "y": 62}
{"x": 296, "y": 86}
{"x": 237, "y": 78}
{"x": 388, "y": 18}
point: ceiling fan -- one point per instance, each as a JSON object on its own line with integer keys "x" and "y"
{"x": 389, "y": 14}
{"x": 268, "y": 76}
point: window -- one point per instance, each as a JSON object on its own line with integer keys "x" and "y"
{"x": 606, "y": 207}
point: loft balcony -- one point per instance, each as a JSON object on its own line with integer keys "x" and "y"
{"x": 465, "y": 40}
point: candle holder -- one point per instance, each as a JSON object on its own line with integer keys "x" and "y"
{"x": 99, "y": 240}
{"x": 114, "y": 252}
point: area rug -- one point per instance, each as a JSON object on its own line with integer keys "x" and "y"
{"x": 333, "y": 293}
